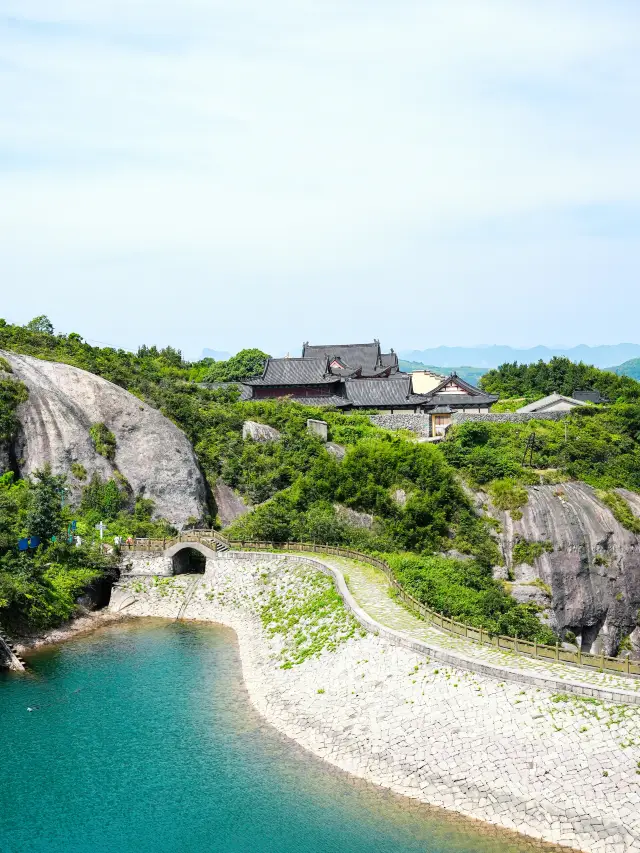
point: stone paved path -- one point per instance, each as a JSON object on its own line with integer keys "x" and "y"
{"x": 370, "y": 588}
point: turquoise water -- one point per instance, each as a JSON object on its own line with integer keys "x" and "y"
{"x": 142, "y": 740}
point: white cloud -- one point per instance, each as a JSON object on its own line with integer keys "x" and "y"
{"x": 276, "y": 142}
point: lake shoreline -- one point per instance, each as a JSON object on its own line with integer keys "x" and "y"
{"x": 497, "y": 752}
{"x": 449, "y": 739}
{"x": 84, "y": 623}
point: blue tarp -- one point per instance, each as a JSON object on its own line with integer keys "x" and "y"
{"x": 23, "y": 544}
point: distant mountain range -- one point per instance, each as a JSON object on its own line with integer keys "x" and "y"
{"x": 488, "y": 357}
{"x": 216, "y": 355}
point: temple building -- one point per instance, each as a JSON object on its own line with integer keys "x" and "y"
{"x": 361, "y": 376}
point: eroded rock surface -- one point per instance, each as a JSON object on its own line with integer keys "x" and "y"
{"x": 259, "y": 432}
{"x": 230, "y": 504}
{"x": 353, "y": 517}
{"x": 593, "y": 572}
{"x": 151, "y": 452}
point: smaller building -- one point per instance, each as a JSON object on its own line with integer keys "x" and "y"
{"x": 424, "y": 381}
{"x": 589, "y": 396}
{"x": 552, "y": 403}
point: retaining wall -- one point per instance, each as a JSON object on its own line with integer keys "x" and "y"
{"x": 507, "y": 417}
{"x": 417, "y": 423}
{"x": 455, "y": 659}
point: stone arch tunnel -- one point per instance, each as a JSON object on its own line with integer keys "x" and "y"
{"x": 189, "y": 558}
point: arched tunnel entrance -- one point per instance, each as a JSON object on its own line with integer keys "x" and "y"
{"x": 188, "y": 561}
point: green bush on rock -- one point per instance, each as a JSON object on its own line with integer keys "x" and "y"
{"x": 104, "y": 441}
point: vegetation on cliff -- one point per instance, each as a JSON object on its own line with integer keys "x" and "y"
{"x": 145, "y": 373}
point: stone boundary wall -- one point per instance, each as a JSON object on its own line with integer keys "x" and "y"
{"x": 451, "y": 658}
{"x": 421, "y": 423}
{"x": 417, "y": 423}
{"x": 146, "y": 564}
{"x": 506, "y": 417}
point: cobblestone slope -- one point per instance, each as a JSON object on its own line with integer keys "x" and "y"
{"x": 552, "y": 766}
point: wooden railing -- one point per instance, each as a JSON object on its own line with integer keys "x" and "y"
{"x": 540, "y": 651}
{"x": 205, "y": 537}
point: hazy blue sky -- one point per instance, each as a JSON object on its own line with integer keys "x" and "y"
{"x": 226, "y": 173}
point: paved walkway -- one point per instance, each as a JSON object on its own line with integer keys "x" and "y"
{"x": 371, "y": 590}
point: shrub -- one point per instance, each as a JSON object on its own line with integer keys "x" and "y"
{"x": 467, "y": 592}
{"x": 104, "y": 441}
{"x": 12, "y": 393}
{"x": 78, "y": 471}
{"x": 104, "y": 500}
{"x": 528, "y": 552}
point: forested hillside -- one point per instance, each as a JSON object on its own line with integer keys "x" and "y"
{"x": 558, "y": 375}
{"x": 629, "y": 368}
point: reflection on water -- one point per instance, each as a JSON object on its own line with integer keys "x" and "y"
{"x": 142, "y": 739}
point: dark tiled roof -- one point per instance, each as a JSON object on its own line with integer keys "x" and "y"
{"x": 373, "y": 393}
{"x": 389, "y": 359}
{"x": 373, "y": 372}
{"x": 357, "y": 355}
{"x": 295, "y": 371}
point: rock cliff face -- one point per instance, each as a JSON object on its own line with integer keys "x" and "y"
{"x": 151, "y": 452}
{"x": 590, "y": 581}
{"x": 230, "y": 504}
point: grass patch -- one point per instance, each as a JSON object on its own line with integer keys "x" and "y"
{"x": 528, "y": 552}
{"x": 309, "y": 617}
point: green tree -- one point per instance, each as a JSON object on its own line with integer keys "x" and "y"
{"x": 105, "y": 500}
{"x": 41, "y": 324}
{"x": 243, "y": 365}
{"x": 44, "y": 517}
{"x": 12, "y": 393}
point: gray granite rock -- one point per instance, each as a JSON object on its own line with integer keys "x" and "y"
{"x": 594, "y": 569}
{"x": 259, "y": 432}
{"x": 230, "y": 504}
{"x": 151, "y": 452}
{"x": 354, "y": 518}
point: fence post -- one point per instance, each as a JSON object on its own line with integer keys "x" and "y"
{"x": 628, "y": 664}
{"x": 602, "y": 656}
{"x": 579, "y": 656}
{"x": 515, "y": 644}
{"x": 535, "y": 648}
{"x": 557, "y": 650}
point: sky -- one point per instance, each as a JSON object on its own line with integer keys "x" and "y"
{"x": 232, "y": 173}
